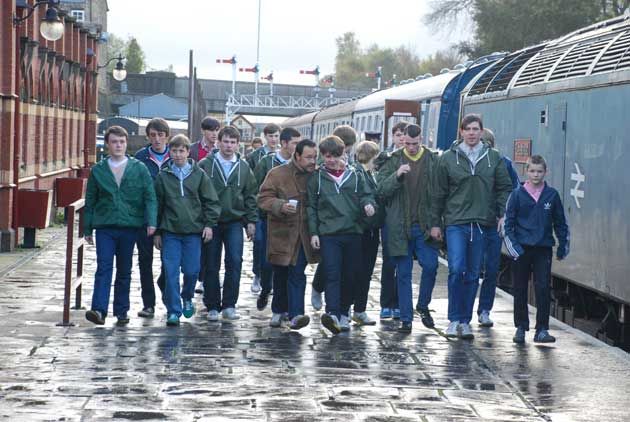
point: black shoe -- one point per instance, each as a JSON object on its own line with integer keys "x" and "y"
{"x": 543, "y": 336}
{"x": 262, "y": 301}
{"x": 123, "y": 319}
{"x": 95, "y": 317}
{"x": 146, "y": 313}
{"x": 425, "y": 316}
{"x": 405, "y": 328}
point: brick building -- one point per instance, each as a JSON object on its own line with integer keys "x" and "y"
{"x": 47, "y": 117}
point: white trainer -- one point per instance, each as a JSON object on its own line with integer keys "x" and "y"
{"x": 344, "y": 323}
{"x": 316, "y": 299}
{"x": 484, "y": 319}
{"x": 213, "y": 316}
{"x": 256, "y": 287}
{"x": 230, "y": 314}
{"x": 465, "y": 332}
{"x": 362, "y": 318}
{"x": 452, "y": 329}
{"x": 276, "y": 320}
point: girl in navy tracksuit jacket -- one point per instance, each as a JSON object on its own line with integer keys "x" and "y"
{"x": 534, "y": 212}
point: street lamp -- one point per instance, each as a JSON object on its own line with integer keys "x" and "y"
{"x": 119, "y": 73}
{"x": 51, "y": 26}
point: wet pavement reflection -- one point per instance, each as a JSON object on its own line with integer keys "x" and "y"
{"x": 245, "y": 370}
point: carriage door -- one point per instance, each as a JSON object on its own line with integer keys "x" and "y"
{"x": 558, "y": 145}
{"x": 397, "y": 110}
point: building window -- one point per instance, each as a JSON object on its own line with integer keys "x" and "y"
{"x": 79, "y": 15}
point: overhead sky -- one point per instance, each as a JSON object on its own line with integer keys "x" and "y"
{"x": 295, "y": 34}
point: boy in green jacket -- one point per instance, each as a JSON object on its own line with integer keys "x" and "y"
{"x": 119, "y": 199}
{"x": 236, "y": 188}
{"x": 470, "y": 192}
{"x": 337, "y": 200}
{"x": 188, "y": 208}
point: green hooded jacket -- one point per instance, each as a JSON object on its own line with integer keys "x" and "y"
{"x": 470, "y": 193}
{"x": 255, "y": 156}
{"x": 337, "y": 209}
{"x": 132, "y": 205}
{"x": 236, "y": 191}
{"x": 392, "y": 193}
{"x": 186, "y": 206}
{"x": 377, "y": 220}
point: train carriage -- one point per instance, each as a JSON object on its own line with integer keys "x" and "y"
{"x": 569, "y": 101}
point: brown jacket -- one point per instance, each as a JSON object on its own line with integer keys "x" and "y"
{"x": 285, "y": 232}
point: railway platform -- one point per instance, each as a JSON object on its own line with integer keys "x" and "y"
{"x": 246, "y": 370}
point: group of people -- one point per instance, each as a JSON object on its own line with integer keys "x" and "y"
{"x": 331, "y": 203}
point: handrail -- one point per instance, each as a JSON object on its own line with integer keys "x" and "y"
{"x": 71, "y": 246}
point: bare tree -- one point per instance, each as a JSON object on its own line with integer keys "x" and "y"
{"x": 445, "y": 13}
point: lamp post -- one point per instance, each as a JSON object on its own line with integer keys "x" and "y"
{"x": 119, "y": 73}
{"x": 52, "y": 29}
{"x": 51, "y": 26}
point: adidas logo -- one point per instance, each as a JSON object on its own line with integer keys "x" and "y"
{"x": 547, "y": 205}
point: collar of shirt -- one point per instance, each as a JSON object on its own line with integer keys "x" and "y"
{"x": 471, "y": 152}
{"x": 281, "y": 159}
{"x": 225, "y": 161}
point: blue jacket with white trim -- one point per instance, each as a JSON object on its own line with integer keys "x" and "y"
{"x": 531, "y": 223}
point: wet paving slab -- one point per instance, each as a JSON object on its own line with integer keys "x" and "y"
{"x": 245, "y": 370}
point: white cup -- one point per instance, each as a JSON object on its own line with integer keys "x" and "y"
{"x": 293, "y": 202}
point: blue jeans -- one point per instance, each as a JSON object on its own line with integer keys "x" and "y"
{"x": 110, "y": 242}
{"x": 465, "y": 252}
{"x": 428, "y": 260}
{"x": 229, "y": 235}
{"x": 389, "y": 289}
{"x": 491, "y": 259}
{"x": 145, "y": 264}
{"x": 341, "y": 258}
{"x": 265, "y": 268}
{"x": 180, "y": 251}
{"x": 289, "y": 284}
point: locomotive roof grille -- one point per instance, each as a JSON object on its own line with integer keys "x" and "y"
{"x": 502, "y": 80}
{"x": 616, "y": 57}
{"x": 482, "y": 83}
{"x": 607, "y": 49}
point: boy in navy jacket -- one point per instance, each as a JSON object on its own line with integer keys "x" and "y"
{"x": 534, "y": 211}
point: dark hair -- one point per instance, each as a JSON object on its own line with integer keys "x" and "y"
{"x": 257, "y": 140}
{"x": 366, "y": 150}
{"x": 347, "y": 134}
{"x": 412, "y": 130}
{"x": 210, "y": 123}
{"x": 116, "y": 130}
{"x": 230, "y": 131}
{"x": 289, "y": 133}
{"x": 271, "y": 128}
{"x": 332, "y": 145}
{"x": 536, "y": 159}
{"x": 180, "y": 140}
{"x": 400, "y": 126}
{"x": 471, "y": 118}
{"x": 158, "y": 124}
{"x": 299, "y": 148}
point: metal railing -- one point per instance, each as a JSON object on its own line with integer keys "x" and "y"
{"x": 73, "y": 244}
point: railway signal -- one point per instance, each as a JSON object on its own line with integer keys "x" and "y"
{"x": 233, "y": 62}
{"x": 376, "y": 75}
{"x": 255, "y": 70}
{"x": 314, "y": 72}
{"x": 269, "y": 78}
